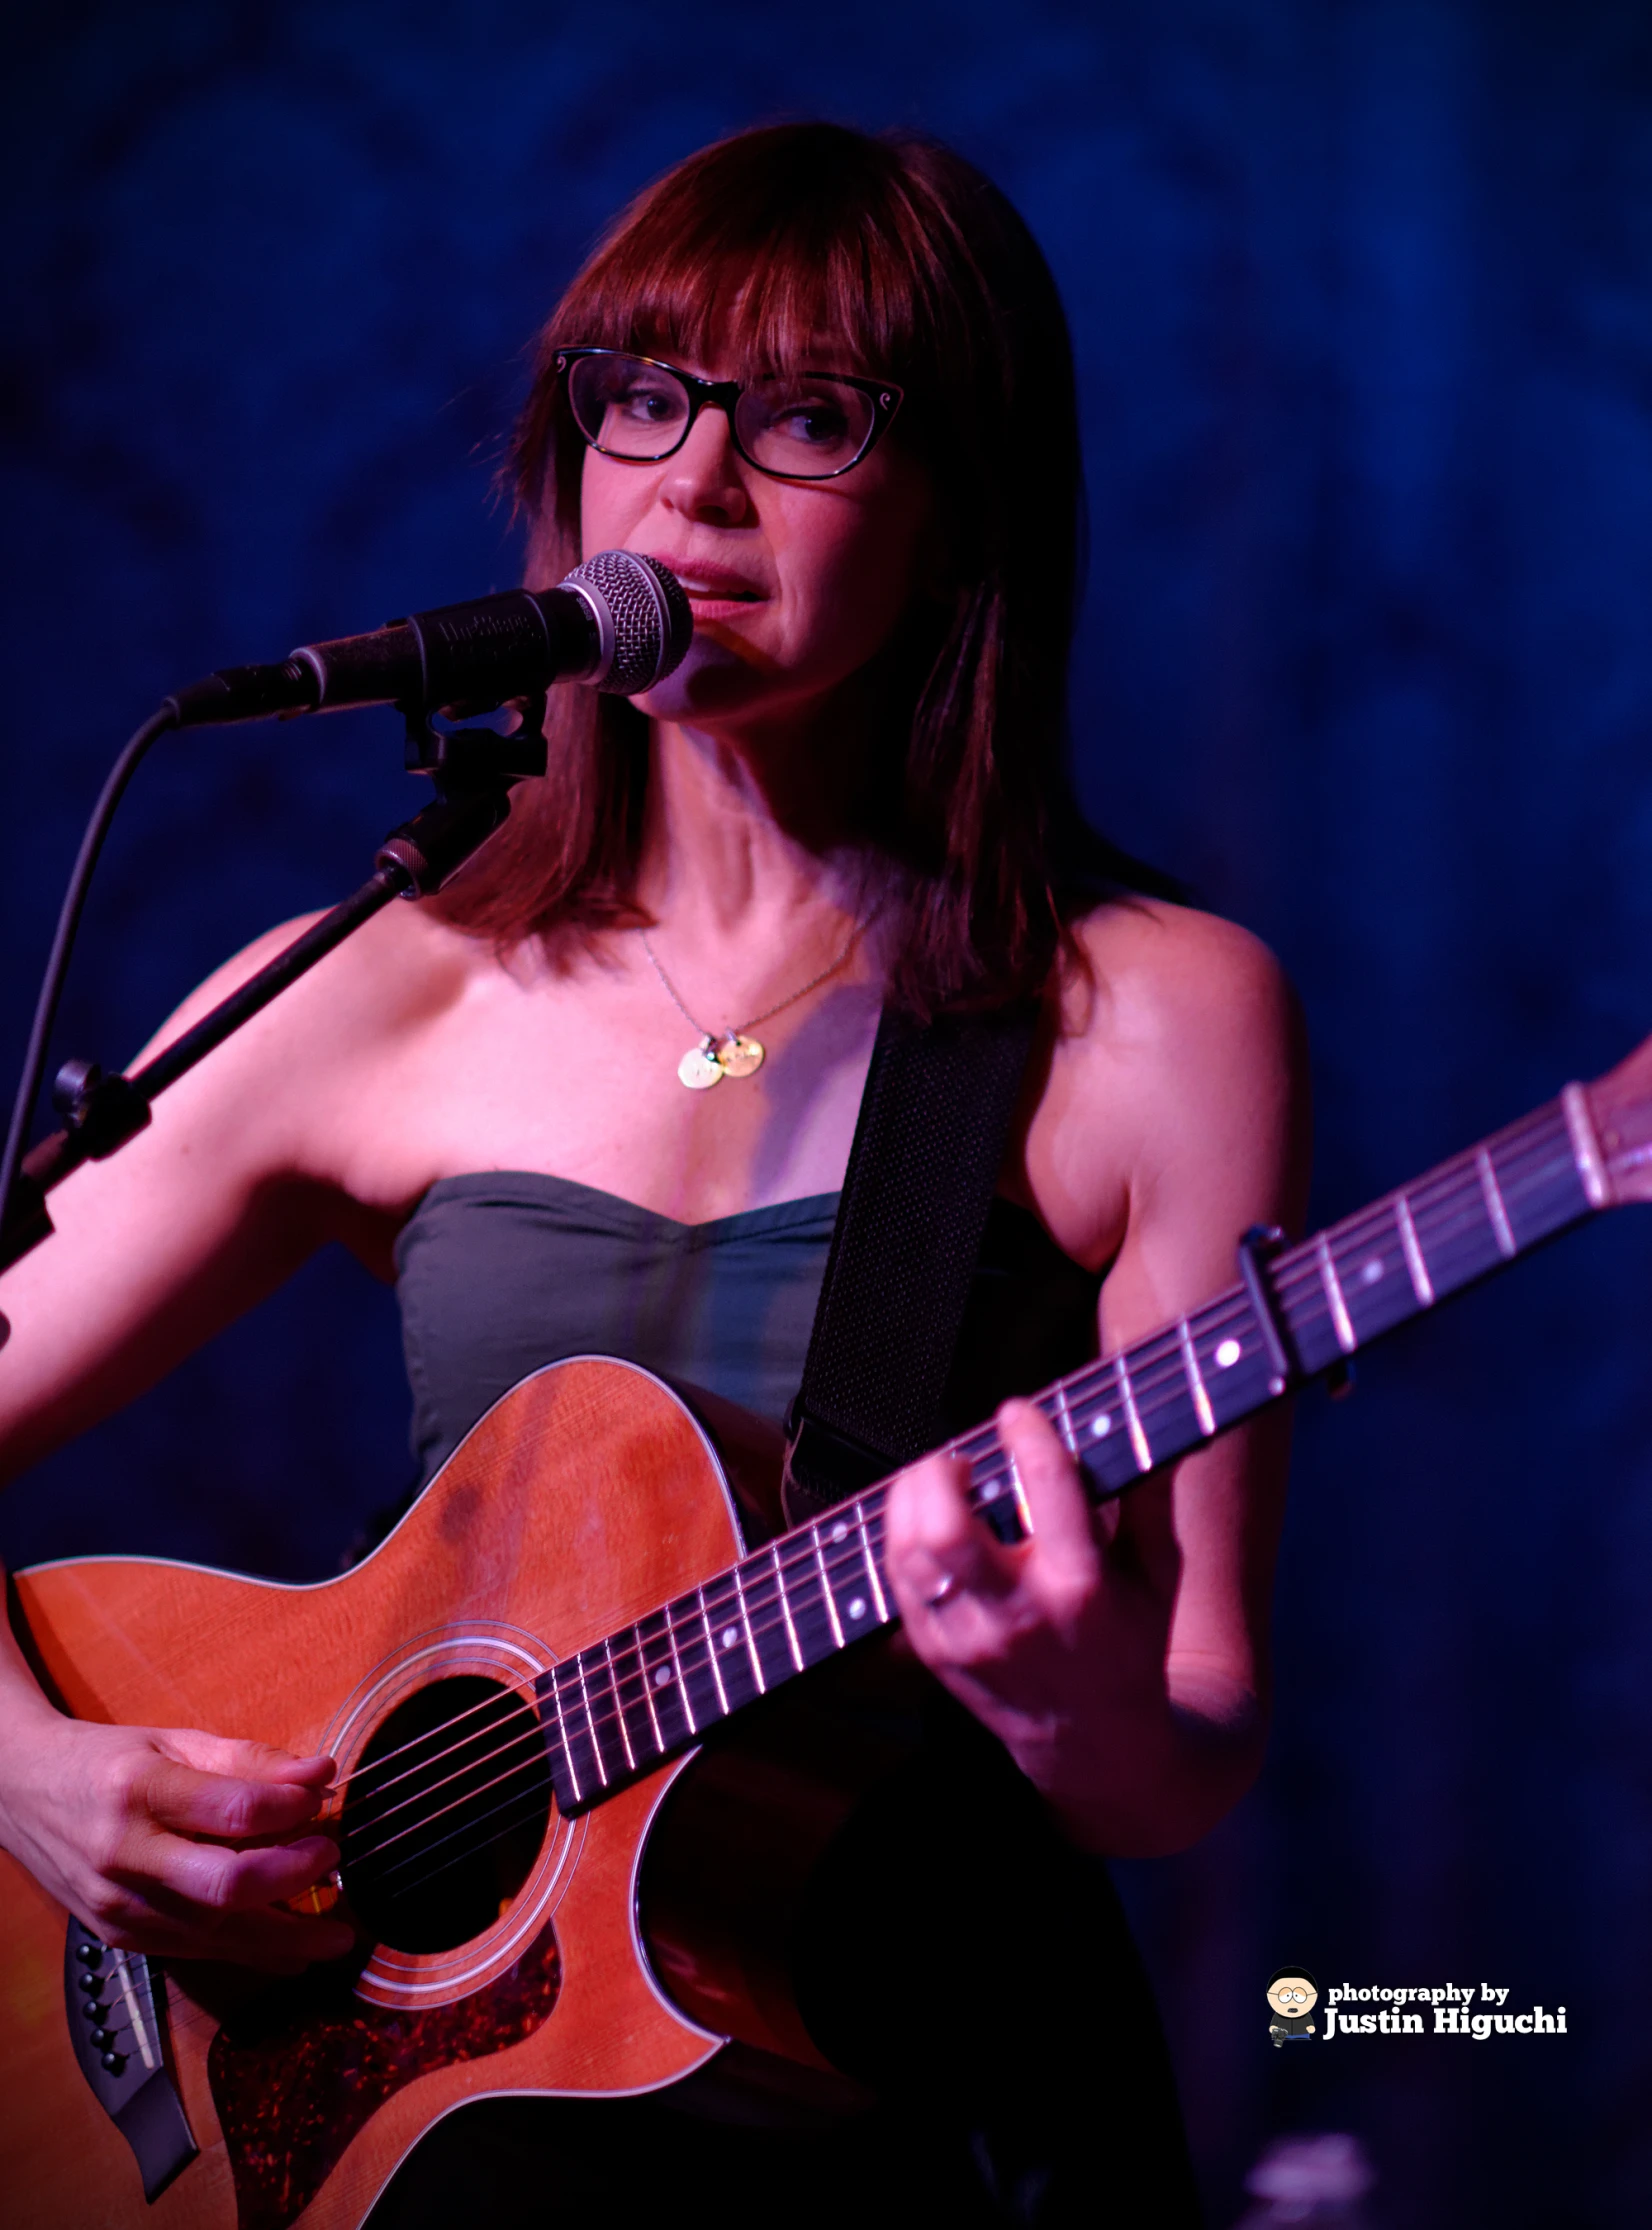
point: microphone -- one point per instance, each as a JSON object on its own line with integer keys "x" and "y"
{"x": 618, "y": 622}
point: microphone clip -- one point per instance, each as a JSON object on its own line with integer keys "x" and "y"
{"x": 474, "y": 771}
{"x": 461, "y": 758}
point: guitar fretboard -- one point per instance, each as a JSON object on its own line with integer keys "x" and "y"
{"x": 617, "y": 1708}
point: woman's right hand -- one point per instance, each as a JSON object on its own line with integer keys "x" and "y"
{"x": 171, "y": 1841}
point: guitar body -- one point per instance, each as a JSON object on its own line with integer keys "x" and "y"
{"x": 587, "y": 1496}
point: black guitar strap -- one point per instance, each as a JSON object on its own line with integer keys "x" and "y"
{"x": 934, "y": 1122}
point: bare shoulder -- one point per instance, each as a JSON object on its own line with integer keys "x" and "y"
{"x": 1178, "y": 1075}
{"x": 404, "y": 964}
{"x": 1183, "y": 985}
{"x": 312, "y": 1088}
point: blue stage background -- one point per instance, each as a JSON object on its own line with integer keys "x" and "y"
{"x": 1360, "y": 290}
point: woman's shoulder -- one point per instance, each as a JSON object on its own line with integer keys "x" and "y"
{"x": 403, "y": 965}
{"x": 1146, "y": 973}
{"x": 1177, "y": 1086}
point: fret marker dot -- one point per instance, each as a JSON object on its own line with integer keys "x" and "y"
{"x": 1371, "y": 1271}
{"x": 730, "y": 1637}
{"x": 662, "y": 1677}
{"x": 840, "y": 1532}
{"x": 1101, "y": 1426}
{"x": 991, "y": 1491}
{"x": 1228, "y": 1353}
{"x": 857, "y": 1606}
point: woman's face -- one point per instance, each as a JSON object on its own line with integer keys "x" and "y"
{"x": 795, "y": 584}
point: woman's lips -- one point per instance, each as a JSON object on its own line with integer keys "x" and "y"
{"x": 715, "y": 589}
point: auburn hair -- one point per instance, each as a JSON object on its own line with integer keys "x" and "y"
{"x": 919, "y": 271}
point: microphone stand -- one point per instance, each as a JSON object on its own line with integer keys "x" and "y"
{"x": 474, "y": 771}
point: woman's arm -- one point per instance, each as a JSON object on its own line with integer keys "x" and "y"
{"x": 253, "y": 1162}
{"x": 1122, "y": 1656}
{"x": 174, "y": 1840}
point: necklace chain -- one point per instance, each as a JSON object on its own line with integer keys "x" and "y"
{"x": 723, "y": 1037}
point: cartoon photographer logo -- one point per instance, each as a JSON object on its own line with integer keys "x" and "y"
{"x": 1292, "y": 1996}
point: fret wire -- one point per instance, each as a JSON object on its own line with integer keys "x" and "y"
{"x": 826, "y": 1586}
{"x": 711, "y": 1651}
{"x": 785, "y": 1607}
{"x": 751, "y": 1639}
{"x": 1138, "y": 1439}
{"x": 575, "y": 1737}
{"x": 684, "y": 1620}
{"x": 619, "y": 1703}
{"x": 1195, "y": 1380}
{"x": 585, "y": 1699}
{"x": 1335, "y": 1299}
{"x": 1421, "y": 1283}
{"x": 562, "y": 1727}
{"x": 872, "y": 1574}
{"x": 1585, "y": 1146}
{"x": 1494, "y": 1206}
{"x": 677, "y": 1669}
{"x": 648, "y": 1690}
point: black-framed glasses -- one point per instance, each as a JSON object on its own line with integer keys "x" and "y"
{"x": 791, "y": 425}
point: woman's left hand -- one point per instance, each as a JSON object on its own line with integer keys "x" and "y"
{"x": 1061, "y": 1645}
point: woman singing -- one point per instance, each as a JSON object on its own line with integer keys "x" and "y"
{"x": 599, "y": 1097}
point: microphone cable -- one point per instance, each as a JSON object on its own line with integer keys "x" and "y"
{"x": 57, "y": 964}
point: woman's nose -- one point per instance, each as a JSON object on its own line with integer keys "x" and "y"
{"x": 703, "y": 480}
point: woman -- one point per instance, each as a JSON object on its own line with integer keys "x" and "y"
{"x": 851, "y": 791}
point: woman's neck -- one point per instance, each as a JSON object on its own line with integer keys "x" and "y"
{"x": 744, "y": 836}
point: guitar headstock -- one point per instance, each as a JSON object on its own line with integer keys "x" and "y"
{"x": 1620, "y": 1109}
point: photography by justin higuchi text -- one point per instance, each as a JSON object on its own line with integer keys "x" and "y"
{"x": 1478, "y": 2011}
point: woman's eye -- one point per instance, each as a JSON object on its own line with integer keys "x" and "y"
{"x": 646, "y": 405}
{"x": 817, "y": 424}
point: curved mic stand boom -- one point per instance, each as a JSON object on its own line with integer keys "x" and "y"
{"x": 474, "y": 771}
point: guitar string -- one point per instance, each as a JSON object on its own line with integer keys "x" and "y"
{"x": 628, "y": 1662}
{"x": 1371, "y": 1220}
{"x": 1299, "y": 1271}
{"x": 615, "y": 1706}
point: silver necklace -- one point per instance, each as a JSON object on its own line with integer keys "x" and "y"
{"x": 734, "y": 1052}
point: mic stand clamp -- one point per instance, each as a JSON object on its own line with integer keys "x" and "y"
{"x": 474, "y": 771}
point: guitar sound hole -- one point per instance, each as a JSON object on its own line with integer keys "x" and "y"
{"x": 444, "y": 1814}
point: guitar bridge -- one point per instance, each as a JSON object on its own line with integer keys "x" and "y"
{"x": 114, "y": 2014}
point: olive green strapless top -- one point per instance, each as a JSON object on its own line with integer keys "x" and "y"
{"x": 503, "y": 1271}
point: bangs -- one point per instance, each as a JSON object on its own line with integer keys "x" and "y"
{"x": 770, "y": 280}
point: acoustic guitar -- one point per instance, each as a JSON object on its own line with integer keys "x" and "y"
{"x": 568, "y": 1875}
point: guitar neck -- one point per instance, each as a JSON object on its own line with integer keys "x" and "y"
{"x": 614, "y": 1710}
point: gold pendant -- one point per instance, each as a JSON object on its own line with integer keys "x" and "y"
{"x": 738, "y": 1056}
{"x": 699, "y": 1068}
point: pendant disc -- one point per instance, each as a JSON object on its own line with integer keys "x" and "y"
{"x": 699, "y": 1069}
{"x": 738, "y": 1056}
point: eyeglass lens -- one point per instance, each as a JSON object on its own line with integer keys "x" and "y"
{"x": 797, "y": 424}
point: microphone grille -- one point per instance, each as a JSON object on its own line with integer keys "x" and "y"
{"x": 651, "y": 618}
